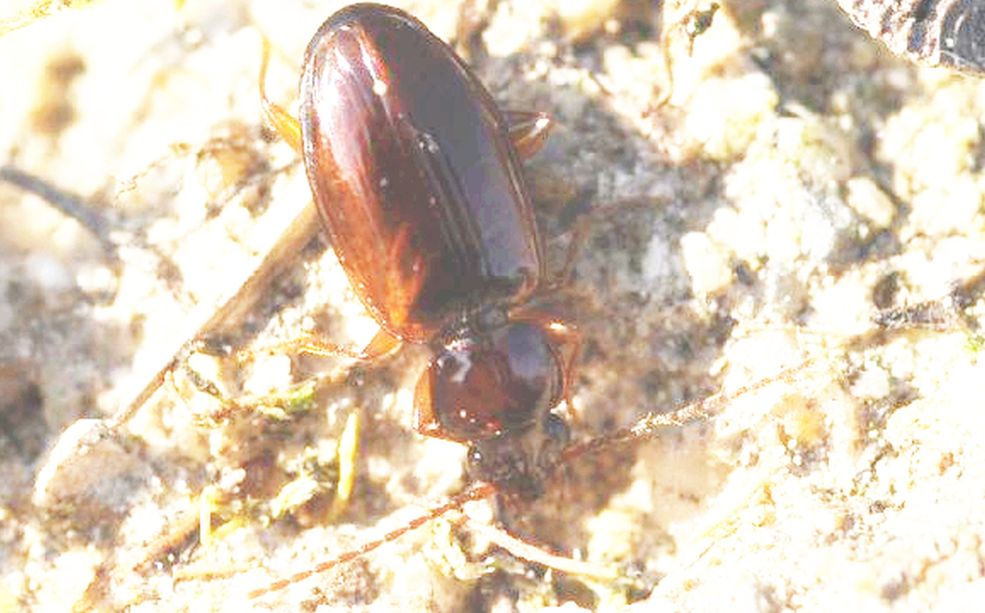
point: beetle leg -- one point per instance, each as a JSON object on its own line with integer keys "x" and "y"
{"x": 567, "y": 338}
{"x": 578, "y": 237}
{"x": 425, "y": 417}
{"x": 561, "y": 279}
{"x": 528, "y": 131}
{"x": 275, "y": 116}
{"x": 579, "y": 232}
{"x": 216, "y": 403}
{"x": 382, "y": 344}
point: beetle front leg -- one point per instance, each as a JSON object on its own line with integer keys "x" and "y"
{"x": 568, "y": 341}
{"x": 381, "y": 345}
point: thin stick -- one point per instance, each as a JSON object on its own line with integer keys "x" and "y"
{"x": 250, "y": 289}
{"x": 476, "y": 492}
{"x": 68, "y": 204}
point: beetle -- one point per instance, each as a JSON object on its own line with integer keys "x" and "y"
{"x": 415, "y": 174}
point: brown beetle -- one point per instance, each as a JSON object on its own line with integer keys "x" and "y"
{"x": 415, "y": 174}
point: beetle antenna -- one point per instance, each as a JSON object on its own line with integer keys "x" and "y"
{"x": 475, "y": 492}
{"x": 648, "y": 426}
{"x": 653, "y": 423}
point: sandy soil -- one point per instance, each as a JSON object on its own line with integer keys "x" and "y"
{"x": 774, "y": 192}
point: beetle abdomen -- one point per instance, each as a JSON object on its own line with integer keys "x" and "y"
{"x": 413, "y": 173}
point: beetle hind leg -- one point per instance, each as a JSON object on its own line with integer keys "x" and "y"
{"x": 274, "y": 115}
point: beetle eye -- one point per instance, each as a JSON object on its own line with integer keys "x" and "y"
{"x": 474, "y": 459}
{"x": 557, "y": 429}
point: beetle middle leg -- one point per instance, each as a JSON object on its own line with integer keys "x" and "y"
{"x": 200, "y": 369}
{"x": 201, "y": 365}
{"x": 529, "y": 131}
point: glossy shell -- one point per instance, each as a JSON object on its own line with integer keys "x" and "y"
{"x": 413, "y": 174}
